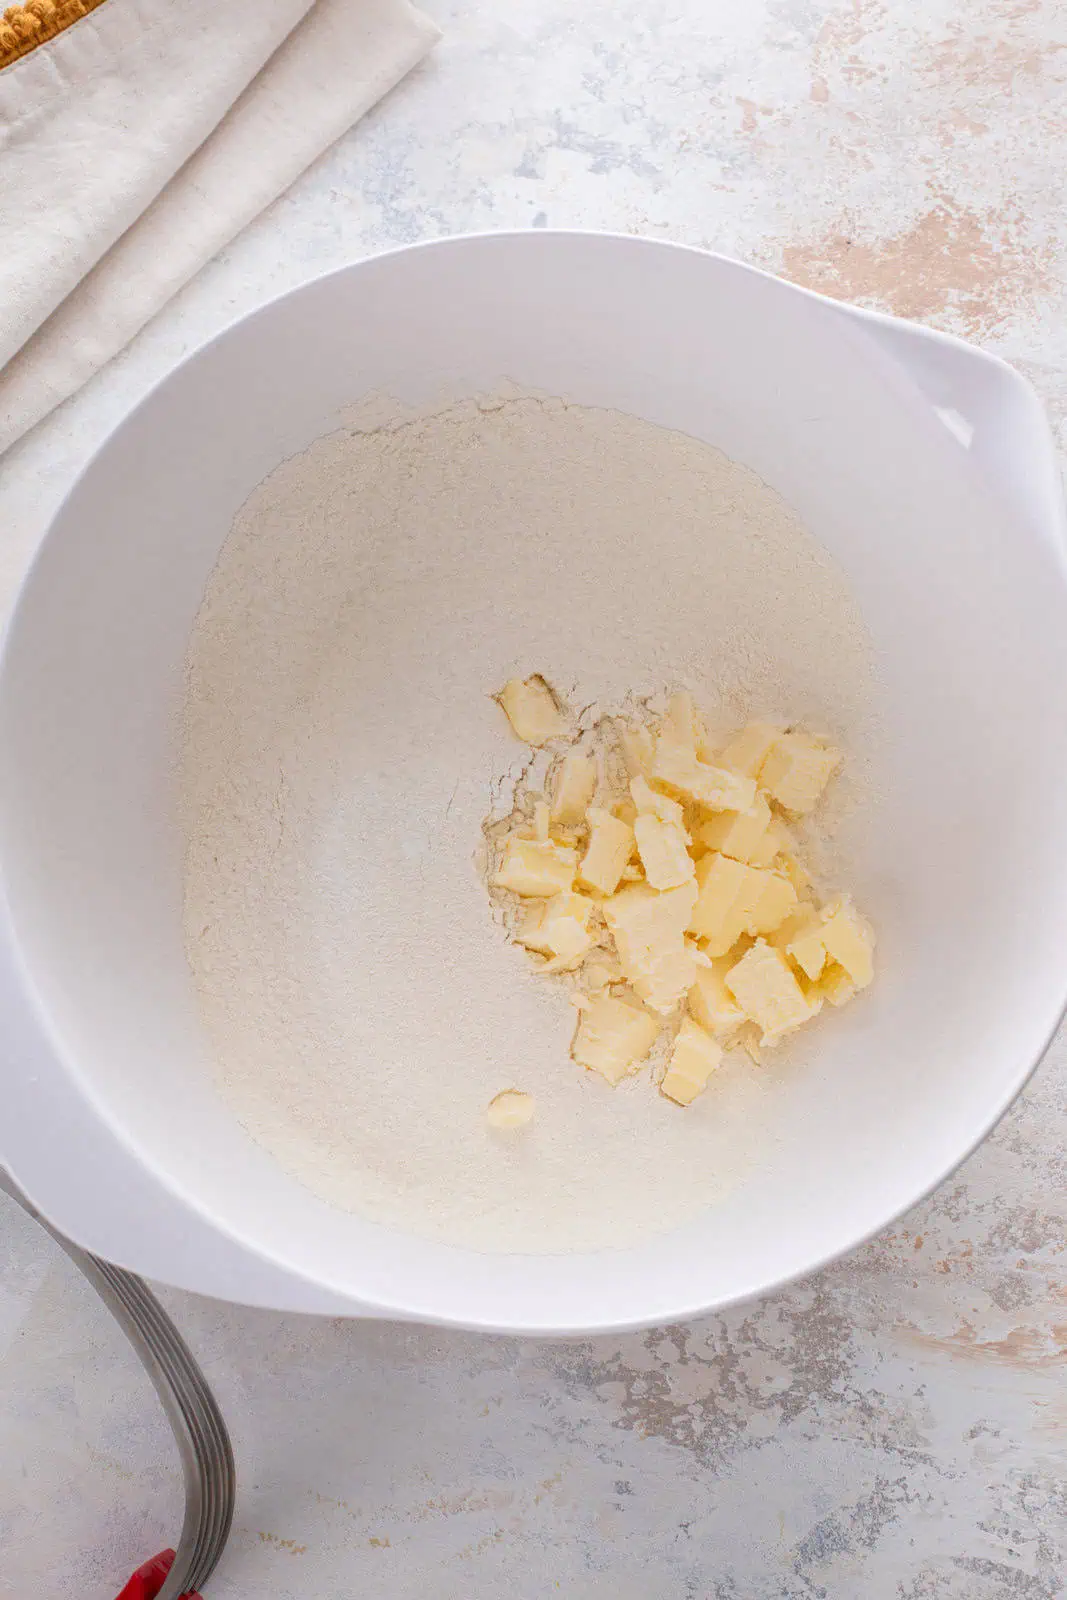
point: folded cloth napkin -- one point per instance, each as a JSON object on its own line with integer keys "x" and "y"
{"x": 141, "y": 138}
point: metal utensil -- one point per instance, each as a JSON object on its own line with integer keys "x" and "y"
{"x": 191, "y": 1408}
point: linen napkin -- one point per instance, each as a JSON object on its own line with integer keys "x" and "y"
{"x": 141, "y": 139}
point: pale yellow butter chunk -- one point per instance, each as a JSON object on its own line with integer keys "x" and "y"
{"x": 710, "y": 1001}
{"x": 536, "y": 867}
{"x": 734, "y": 899}
{"x": 786, "y": 858}
{"x": 747, "y": 750}
{"x": 796, "y": 770}
{"x": 694, "y": 1057}
{"x": 573, "y": 787}
{"x": 649, "y": 802}
{"x": 509, "y": 1109}
{"x": 648, "y": 927}
{"x": 599, "y": 973}
{"x": 664, "y": 851}
{"x": 681, "y": 772}
{"x": 559, "y": 928}
{"x": 532, "y": 709}
{"x": 774, "y": 899}
{"x": 611, "y": 844}
{"x": 682, "y": 723}
{"x": 764, "y": 986}
{"x": 541, "y": 820}
{"x": 800, "y": 936}
{"x": 612, "y": 1038}
{"x": 745, "y": 835}
{"x": 835, "y": 985}
{"x": 720, "y": 882}
{"x": 849, "y": 941}
{"x": 637, "y": 747}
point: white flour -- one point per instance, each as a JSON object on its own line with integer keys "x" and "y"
{"x": 341, "y": 751}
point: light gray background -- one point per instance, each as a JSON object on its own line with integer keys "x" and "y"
{"x": 893, "y": 1429}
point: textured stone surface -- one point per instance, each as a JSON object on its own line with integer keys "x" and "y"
{"x": 896, "y": 1427}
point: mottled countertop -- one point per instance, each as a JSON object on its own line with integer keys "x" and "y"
{"x": 894, "y": 1428}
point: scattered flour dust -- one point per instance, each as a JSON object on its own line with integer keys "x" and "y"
{"x": 341, "y": 749}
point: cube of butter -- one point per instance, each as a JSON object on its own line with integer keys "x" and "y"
{"x": 599, "y": 972}
{"x": 612, "y": 1038}
{"x": 836, "y": 985}
{"x": 535, "y": 867}
{"x": 611, "y": 844}
{"x": 649, "y": 802}
{"x": 734, "y": 899}
{"x": 509, "y": 1109}
{"x": 773, "y": 899}
{"x": 720, "y": 881}
{"x": 680, "y": 772}
{"x": 765, "y": 988}
{"x": 648, "y": 927}
{"x": 800, "y": 936}
{"x": 745, "y": 835}
{"x": 559, "y": 928}
{"x": 849, "y": 941}
{"x": 682, "y": 723}
{"x": 664, "y": 851}
{"x": 747, "y": 750}
{"x": 637, "y": 746}
{"x": 532, "y": 710}
{"x": 573, "y": 786}
{"x": 786, "y": 859}
{"x": 694, "y": 1057}
{"x": 796, "y": 770}
{"x": 710, "y": 1001}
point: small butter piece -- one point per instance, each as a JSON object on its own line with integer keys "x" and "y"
{"x": 611, "y": 844}
{"x": 541, "y": 820}
{"x": 767, "y": 991}
{"x": 510, "y": 1109}
{"x": 649, "y": 802}
{"x": 648, "y": 927}
{"x": 745, "y": 835}
{"x": 682, "y": 723}
{"x": 796, "y": 770}
{"x": 747, "y": 750}
{"x": 612, "y": 1038}
{"x": 535, "y": 867}
{"x": 637, "y": 747}
{"x": 836, "y": 985}
{"x": 573, "y": 787}
{"x": 774, "y": 899}
{"x": 734, "y": 899}
{"x": 680, "y": 772}
{"x": 599, "y": 972}
{"x": 664, "y": 851}
{"x": 786, "y": 858}
{"x": 800, "y": 936}
{"x": 849, "y": 941}
{"x": 559, "y": 928}
{"x": 720, "y": 881}
{"x": 694, "y": 1057}
{"x": 711, "y": 1002}
{"x": 532, "y": 710}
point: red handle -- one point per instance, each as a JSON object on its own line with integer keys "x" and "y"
{"x": 149, "y": 1579}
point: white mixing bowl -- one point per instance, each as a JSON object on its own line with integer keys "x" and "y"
{"x": 926, "y": 469}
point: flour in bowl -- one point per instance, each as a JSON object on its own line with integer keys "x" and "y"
{"x": 341, "y": 749}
